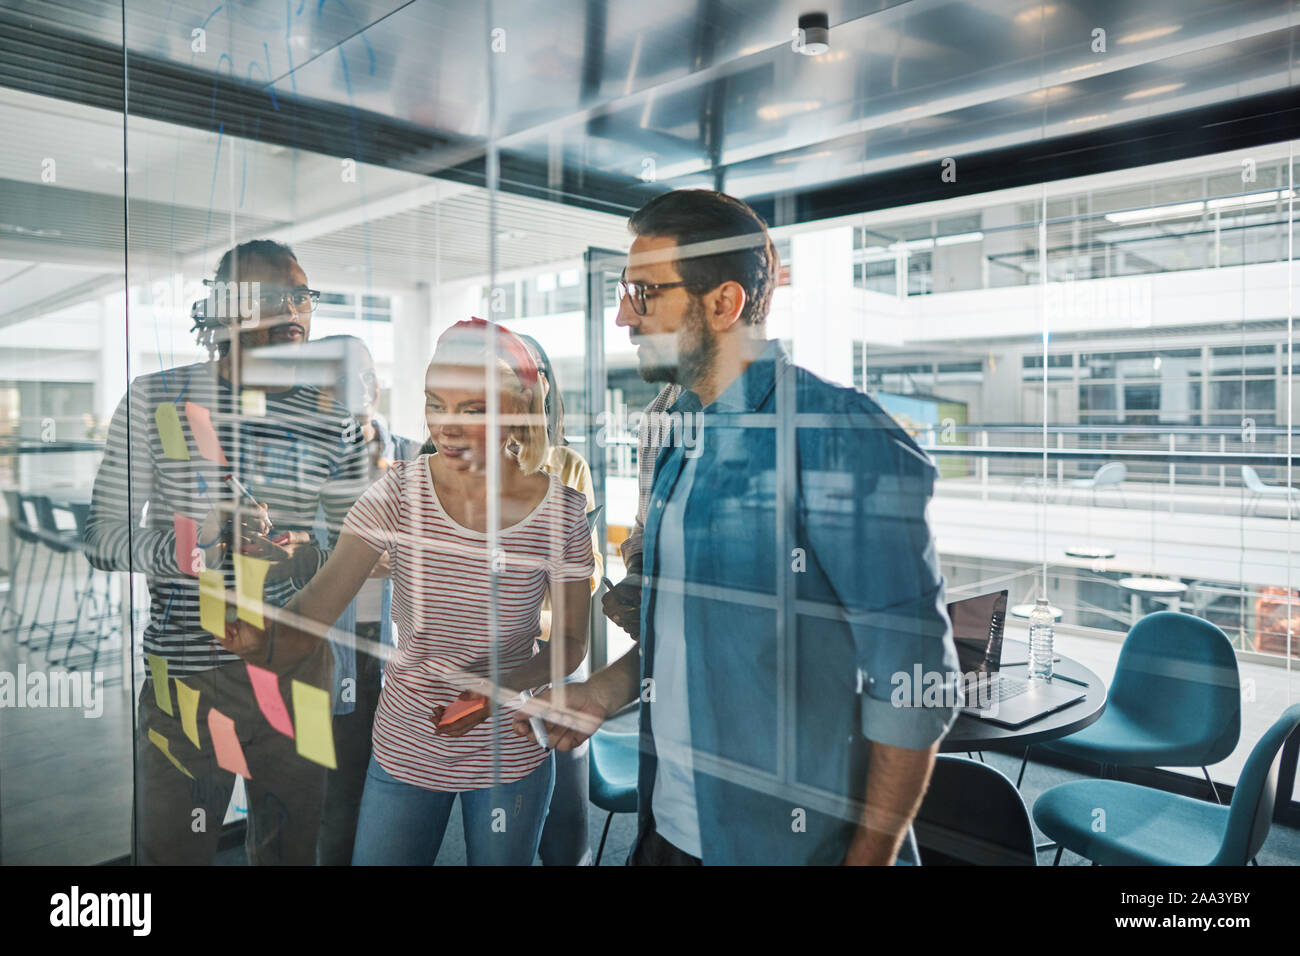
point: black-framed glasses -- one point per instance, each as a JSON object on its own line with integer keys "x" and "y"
{"x": 271, "y": 299}
{"x": 637, "y": 290}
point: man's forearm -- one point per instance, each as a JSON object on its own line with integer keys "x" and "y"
{"x": 617, "y": 685}
{"x": 896, "y": 782}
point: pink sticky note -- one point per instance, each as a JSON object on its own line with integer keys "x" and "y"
{"x": 205, "y": 436}
{"x": 187, "y": 538}
{"x": 266, "y": 688}
{"x": 225, "y": 742}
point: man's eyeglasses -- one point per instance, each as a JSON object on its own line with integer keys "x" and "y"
{"x": 636, "y": 291}
{"x": 271, "y": 299}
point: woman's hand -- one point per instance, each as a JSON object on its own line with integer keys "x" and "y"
{"x": 246, "y": 641}
{"x": 463, "y": 725}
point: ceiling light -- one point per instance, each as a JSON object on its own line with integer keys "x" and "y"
{"x": 779, "y": 111}
{"x": 1175, "y": 210}
{"x": 1149, "y": 34}
{"x": 1035, "y": 13}
{"x": 1228, "y": 202}
{"x": 781, "y": 160}
{"x": 814, "y": 35}
{"x": 1153, "y": 91}
{"x": 1086, "y": 119}
{"x": 959, "y": 239}
{"x": 1050, "y": 93}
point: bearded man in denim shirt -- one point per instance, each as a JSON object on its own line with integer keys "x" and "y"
{"x": 788, "y": 576}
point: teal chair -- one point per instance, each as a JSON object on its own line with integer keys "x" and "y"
{"x": 1138, "y": 826}
{"x": 1175, "y": 700}
{"x": 613, "y": 771}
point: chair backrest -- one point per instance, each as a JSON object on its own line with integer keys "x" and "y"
{"x": 973, "y": 815}
{"x": 1111, "y": 473}
{"x": 1251, "y": 812}
{"x": 1177, "y": 675}
{"x": 14, "y": 504}
{"x": 1250, "y": 478}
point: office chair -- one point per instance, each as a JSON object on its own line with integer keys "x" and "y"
{"x": 973, "y": 815}
{"x": 1111, "y": 474}
{"x": 25, "y": 532}
{"x": 1123, "y": 824}
{"x": 1175, "y": 700}
{"x": 612, "y": 776}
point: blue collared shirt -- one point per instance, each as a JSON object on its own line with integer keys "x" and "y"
{"x": 811, "y": 581}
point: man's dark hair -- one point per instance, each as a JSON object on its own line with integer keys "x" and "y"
{"x": 275, "y": 254}
{"x": 691, "y": 216}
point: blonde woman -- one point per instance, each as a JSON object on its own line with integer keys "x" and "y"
{"x": 431, "y": 516}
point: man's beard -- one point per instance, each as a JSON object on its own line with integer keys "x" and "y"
{"x": 697, "y": 347}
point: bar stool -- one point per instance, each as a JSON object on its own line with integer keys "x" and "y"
{"x": 59, "y": 541}
{"x": 22, "y": 527}
{"x": 80, "y": 514}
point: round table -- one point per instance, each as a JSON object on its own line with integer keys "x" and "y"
{"x": 1024, "y": 610}
{"x": 970, "y": 733}
{"x": 1164, "y": 589}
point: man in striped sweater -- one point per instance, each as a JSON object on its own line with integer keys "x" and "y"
{"x": 201, "y": 466}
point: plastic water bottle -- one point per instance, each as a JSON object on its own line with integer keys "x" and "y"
{"x": 1040, "y": 641}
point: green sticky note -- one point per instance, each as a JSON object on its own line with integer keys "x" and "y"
{"x": 161, "y": 692}
{"x": 169, "y": 430}
{"x": 187, "y": 699}
{"x": 313, "y": 723}
{"x": 160, "y": 742}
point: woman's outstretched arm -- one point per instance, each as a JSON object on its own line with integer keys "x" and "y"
{"x": 293, "y": 632}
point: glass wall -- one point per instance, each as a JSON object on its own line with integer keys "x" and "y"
{"x": 225, "y": 283}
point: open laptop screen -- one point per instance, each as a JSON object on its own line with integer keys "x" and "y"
{"x": 977, "y": 631}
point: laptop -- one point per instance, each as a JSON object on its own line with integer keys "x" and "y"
{"x": 991, "y": 695}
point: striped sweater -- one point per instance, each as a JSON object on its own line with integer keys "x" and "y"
{"x": 299, "y": 452}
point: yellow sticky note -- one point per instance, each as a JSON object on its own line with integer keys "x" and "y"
{"x": 161, "y": 692}
{"x": 253, "y": 402}
{"x": 169, "y": 430}
{"x": 250, "y": 577}
{"x": 314, "y": 724}
{"x": 187, "y": 700}
{"x": 160, "y": 742}
{"x": 212, "y": 602}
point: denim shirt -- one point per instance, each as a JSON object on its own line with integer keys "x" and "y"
{"x": 809, "y": 588}
{"x": 394, "y": 448}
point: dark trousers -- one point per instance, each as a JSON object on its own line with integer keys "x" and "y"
{"x": 352, "y": 742}
{"x": 180, "y": 812}
{"x": 653, "y": 850}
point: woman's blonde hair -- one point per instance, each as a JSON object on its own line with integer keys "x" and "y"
{"x": 468, "y": 346}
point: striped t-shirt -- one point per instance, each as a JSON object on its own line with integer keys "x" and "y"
{"x": 441, "y": 576}
{"x": 298, "y": 452}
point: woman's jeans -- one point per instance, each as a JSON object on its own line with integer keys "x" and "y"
{"x": 403, "y": 825}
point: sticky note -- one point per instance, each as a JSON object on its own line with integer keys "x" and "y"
{"x": 212, "y": 602}
{"x": 169, "y": 430}
{"x": 460, "y": 708}
{"x": 160, "y": 742}
{"x": 230, "y": 756}
{"x": 250, "y": 577}
{"x": 311, "y": 710}
{"x": 187, "y": 539}
{"x": 266, "y": 688}
{"x": 187, "y": 702}
{"x": 161, "y": 692}
{"x": 253, "y": 403}
{"x": 205, "y": 436}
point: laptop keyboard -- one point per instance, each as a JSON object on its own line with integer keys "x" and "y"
{"x": 1004, "y": 688}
